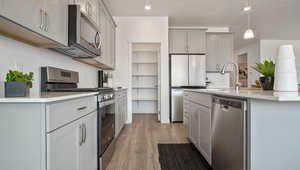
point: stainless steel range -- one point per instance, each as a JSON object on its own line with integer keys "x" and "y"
{"x": 61, "y": 80}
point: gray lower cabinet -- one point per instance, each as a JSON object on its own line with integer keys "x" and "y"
{"x": 187, "y": 41}
{"x": 49, "y": 136}
{"x": 197, "y": 110}
{"x": 121, "y": 110}
{"x": 219, "y": 50}
{"x": 48, "y": 18}
{"x": 74, "y": 146}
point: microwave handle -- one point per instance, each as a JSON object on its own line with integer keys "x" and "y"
{"x": 97, "y": 40}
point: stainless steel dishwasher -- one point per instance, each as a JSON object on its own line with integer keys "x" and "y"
{"x": 229, "y": 134}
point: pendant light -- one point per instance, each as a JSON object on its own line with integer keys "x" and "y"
{"x": 147, "y": 5}
{"x": 249, "y": 33}
{"x": 248, "y": 7}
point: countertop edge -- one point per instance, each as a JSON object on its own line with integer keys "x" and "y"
{"x": 254, "y": 94}
{"x": 46, "y": 100}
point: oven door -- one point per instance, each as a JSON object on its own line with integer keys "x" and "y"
{"x": 106, "y": 124}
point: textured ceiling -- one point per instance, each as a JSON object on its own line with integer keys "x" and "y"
{"x": 271, "y": 19}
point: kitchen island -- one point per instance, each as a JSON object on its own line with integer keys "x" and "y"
{"x": 267, "y": 129}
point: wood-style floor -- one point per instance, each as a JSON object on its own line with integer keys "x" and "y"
{"x": 136, "y": 146}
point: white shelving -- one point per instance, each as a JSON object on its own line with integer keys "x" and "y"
{"x": 145, "y": 78}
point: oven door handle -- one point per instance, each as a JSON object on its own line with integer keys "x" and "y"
{"x": 106, "y": 103}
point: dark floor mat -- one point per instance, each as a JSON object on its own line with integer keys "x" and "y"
{"x": 181, "y": 157}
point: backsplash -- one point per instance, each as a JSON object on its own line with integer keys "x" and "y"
{"x": 29, "y": 59}
{"x": 218, "y": 80}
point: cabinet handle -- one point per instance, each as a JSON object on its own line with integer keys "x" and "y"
{"x": 84, "y": 132}
{"x": 80, "y": 135}
{"x": 42, "y": 19}
{"x": 46, "y": 21}
{"x": 81, "y": 108}
{"x": 97, "y": 40}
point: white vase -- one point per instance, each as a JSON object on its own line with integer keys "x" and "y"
{"x": 285, "y": 70}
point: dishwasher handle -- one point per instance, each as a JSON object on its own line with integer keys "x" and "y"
{"x": 227, "y": 103}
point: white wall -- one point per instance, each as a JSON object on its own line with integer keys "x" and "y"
{"x": 253, "y": 51}
{"x": 32, "y": 58}
{"x": 141, "y": 29}
{"x": 269, "y": 50}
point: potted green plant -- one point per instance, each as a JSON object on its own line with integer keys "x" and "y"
{"x": 18, "y": 84}
{"x": 267, "y": 69}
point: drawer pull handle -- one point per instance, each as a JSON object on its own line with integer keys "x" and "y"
{"x": 81, "y": 108}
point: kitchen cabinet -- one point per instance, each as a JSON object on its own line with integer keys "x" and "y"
{"x": 194, "y": 127}
{"x": 88, "y": 149}
{"x": 107, "y": 29}
{"x": 204, "y": 114}
{"x": 187, "y": 41}
{"x": 56, "y": 20}
{"x": 219, "y": 50}
{"x": 90, "y": 9}
{"x": 63, "y": 147}
{"x": 74, "y": 146}
{"x": 121, "y": 110}
{"x": 46, "y": 17}
{"x": 196, "y": 41}
{"x": 29, "y": 13}
{"x": 60, "y": 135}
{"x": 197, "y": 108}
{"x": 178, "y": 41}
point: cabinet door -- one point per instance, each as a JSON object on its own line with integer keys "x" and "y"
{"x": 178, "y": 41}
{"x": 63, "y": 147}
{"x": 57, "y": 20}
{"x": 194, "y": 123}
{"x": 88, "y": 149}
{"x": 25, "y": 12}
{"x": 103, "y": 33}
{"x": 113, "y": 46}
{"x": 196, "y": 126}
{"x": 205, "y": 132}
{"x": 92, "y": 10}
{"x": 196, "y": 41}
{"x": 108, "y": 42}
{"x": 117, "y": 117}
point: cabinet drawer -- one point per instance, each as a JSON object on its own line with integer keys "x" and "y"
{"x": 61, "y": 113}
{"x": 200, "y": 98}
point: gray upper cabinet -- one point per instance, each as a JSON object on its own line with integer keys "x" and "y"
{"x": 28, "y": 13}
{"x": 46, "y": 17}
{"x": 108, "y": 30}
{"x": 178, "y": 41}
{"x": 196, "y": 41}
{"x": 56, "y": 20}
{"x": 219, "y": 50}
{"x": 90, "y": 9}
{"x": 187, "y": 41}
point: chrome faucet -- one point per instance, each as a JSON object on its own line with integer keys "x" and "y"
{"x": 236, "y": 75}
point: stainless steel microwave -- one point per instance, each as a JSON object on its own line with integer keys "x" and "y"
{"x": 84, "y": 39}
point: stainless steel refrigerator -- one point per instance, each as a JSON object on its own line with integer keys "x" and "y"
{"x": 187, "y": 71}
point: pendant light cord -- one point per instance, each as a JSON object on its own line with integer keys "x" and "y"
{"x": 249, "y": 21}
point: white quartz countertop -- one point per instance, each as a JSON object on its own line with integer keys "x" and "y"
{"x": 252, "y": 94}
{"x": 47, "y": 97}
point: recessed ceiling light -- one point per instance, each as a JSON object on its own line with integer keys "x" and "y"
{"x": 148, "y": 7}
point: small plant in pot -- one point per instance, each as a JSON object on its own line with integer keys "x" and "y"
{"x": 18, "y": 84}
{"x": 267, "y": 69}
